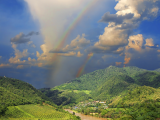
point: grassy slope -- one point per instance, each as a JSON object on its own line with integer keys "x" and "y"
{"x": 14, "y": 92}
{"x": 35, "y": 112}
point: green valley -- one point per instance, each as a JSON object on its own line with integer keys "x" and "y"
{"x": 114, "y": 93}
{"x": 124, "y": 90}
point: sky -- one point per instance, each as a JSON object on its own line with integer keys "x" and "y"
{"x": 49, "y": 42}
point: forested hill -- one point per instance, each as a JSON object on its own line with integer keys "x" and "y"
{"x": 103, "y": 84}
{"x": 93, "y": 80}
{"x": 20, "y": 100}
{"x": 16, "y": 92}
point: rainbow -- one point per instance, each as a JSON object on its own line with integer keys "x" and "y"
{"x": 81, "y": 69}
{"x": 72, "y": 25}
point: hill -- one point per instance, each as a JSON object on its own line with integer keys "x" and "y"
{"x": 19, "y": 92}
{"x": 36, "y": 112}
{"x": 103, "y": 84}
{"x": 143, "y": 103}
{"x": 19, "y": 99}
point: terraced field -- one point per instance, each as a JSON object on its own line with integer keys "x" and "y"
{"x": 35, "y": 112}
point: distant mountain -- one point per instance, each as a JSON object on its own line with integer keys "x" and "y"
{"x": 105, "y": 84}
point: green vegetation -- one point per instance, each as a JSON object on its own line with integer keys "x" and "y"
{"x": 142, "y": 103}
{"x": 105, "y": 85}
{"x": 127, "y": 91}
{"x": 19, "y": 100}
{"x": 37, "y": 112}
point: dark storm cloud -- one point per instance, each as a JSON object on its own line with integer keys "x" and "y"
{"x": 22, "y": 38}
{"x": 32, "y": 33}
{"x": 101, "y": 49}
{"x": 118, "y": 19}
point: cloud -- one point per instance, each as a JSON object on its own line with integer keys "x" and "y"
{"x": 149, "y": 42}
{"x": 129, "y": 15}
{"x": 112, "y": 37}
{"x": 135, "y": 42}
{"x": 0, "y": 57}
{"x": 118, "y": 63}
{"x": 18, "y": 55}
{"x": 79, "y": 54}
{"x": 90, "y": 54}
{"x": 37, "y": 54}
{"x": 32, "y": 33}
{"x": 127, "y": 59}
{"x": 57, "y": 51}
{"x": 67, "y": 54}
{"x": 4, "y": 65}
{"x": 20, "y": 66}
{"x": 33, "y": 46}
{"x": 117, "y": 19}
{"x": 30, "y": 42}
{"x": 77, "y": 43}
{"x": 29, "y": 59}
{"x": 141, "y": 53}
{"x": 54, "y": 20}
{"x": 22, "y": 38}
{"x": 142, "y": 9}
{"x": 158, "y": 50}
{"x": 119, "y": 50}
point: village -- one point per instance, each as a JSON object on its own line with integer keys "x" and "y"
{"x": 94, "y": 106}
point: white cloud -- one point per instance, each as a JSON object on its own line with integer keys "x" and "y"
{"x": 18, "y": 55}
{"x": 112, "y": 37}
{"x": 37, "y": 54}
{"x": 79, "y": 54}
{"x": 20, "y": 66}
{"x": 135, "y": 42}
{"x": 29, "y": 59}
{"x": 129, "y": 15}
{"x": 54, "y": 19}
{"x": 4, "y": 65}
{"x": 149, "y": 42}
{"x": 77, "y": 43}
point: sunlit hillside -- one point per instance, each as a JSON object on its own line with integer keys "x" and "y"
{"x": 20, "y": 100}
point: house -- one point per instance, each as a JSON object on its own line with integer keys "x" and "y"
{"x": 102, "y": 102}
